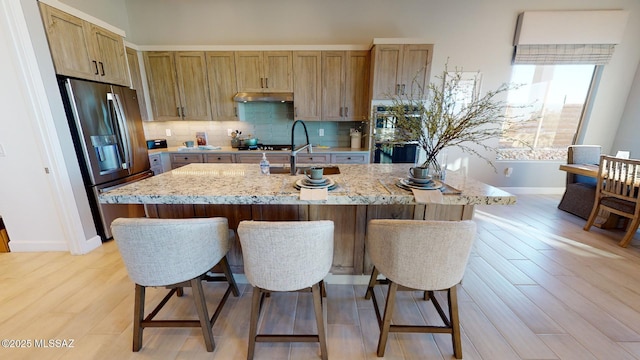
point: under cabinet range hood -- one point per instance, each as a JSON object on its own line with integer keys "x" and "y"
{"x": 263, "y": 97}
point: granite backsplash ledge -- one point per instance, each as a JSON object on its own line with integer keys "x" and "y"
{"x": 269, "y": 122}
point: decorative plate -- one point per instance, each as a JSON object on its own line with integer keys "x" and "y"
{"x": 313, "y": 182}
{"x": 330, "y": 185}
{"x": 407, "y": 185}
{"x": 426, "y": 180}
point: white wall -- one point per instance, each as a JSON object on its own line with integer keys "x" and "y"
{"x": 628, "y": 136}
{"x": 39, "y": 209}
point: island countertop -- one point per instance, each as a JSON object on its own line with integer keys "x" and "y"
{"x": 362, "y": 184}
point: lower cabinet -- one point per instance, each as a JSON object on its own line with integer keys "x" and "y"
{"x": 275, "y": 159}
{"x": 348, "y": 158}
{"x": 178, "y": 160}
{"x": 218, "y": 158}
{"x": 313, "y": 158}
{"x": 254, "y": 158}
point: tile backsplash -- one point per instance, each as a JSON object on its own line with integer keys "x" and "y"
{"x": 269, "y": 122}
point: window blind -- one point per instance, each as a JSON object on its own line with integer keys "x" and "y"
{"x": 558, "y": 54}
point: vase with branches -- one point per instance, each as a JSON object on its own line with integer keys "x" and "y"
{"x": 444, "y": 115}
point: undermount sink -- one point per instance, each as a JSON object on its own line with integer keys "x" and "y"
{"x": 328, "y": 170}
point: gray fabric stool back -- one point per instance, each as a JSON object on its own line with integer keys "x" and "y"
{"x": 286, "y": 256}
{"x": 173, "y": 253}
{"x": 419, "y": 255}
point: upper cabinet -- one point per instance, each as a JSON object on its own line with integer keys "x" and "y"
{"x": 136, "y": 80}
{"x": 264, "y": 71}
{"x": 178, "y": 85}
{"x": 345, "y": 83}
{"x": 221, "y": 71}
{"x": 401, "y": 70}
{"x": 84, "y": 50}
{"x": 307, "y": 85}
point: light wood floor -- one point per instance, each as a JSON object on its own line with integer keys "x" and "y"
{"x": 537, "y": 287}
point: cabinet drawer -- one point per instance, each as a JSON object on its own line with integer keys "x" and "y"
{"x": 186, "y": 158}
{"x": 178, "y": 160}
{"x": 218, "y": 158}
{"x": 274, "y": 159}
{"x": 349, "y": 158}
{"x": 313, "y": 158}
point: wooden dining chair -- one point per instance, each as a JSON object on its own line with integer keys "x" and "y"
{"x": 618, "y": 192}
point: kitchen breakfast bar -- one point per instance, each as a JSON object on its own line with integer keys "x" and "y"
{"x": 362, "y": 192}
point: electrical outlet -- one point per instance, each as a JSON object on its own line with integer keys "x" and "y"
{"x": 229, "y": 132}
{"x": 320, "y": 132}
{"x": 508, "y": 171}
{"x": 167, "y": 132}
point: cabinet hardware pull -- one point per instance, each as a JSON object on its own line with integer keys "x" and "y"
{"x": 235, "y": 111}
{"x": 349, "y": 158}
{"x": 403, "y": 89}
{"x": 266, "y": 83}
{"x": 262, "y": 83}
{"x": 295, "y": 112}
{"x": 95, "y": 63}
{"x": 184, "y": 114}
{"x": 101, "y": 68}
{"x": 341, "y": 111}
{"x": 346, "y": 112}
{"x": 397, "y": 89}
{"x": 178, "y": 110}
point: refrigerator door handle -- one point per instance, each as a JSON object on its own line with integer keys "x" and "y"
{"x": 121, "y": 123}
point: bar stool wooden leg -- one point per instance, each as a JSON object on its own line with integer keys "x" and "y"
{"x": 372, "y": 283}
{"x": 452, "y": 296}
{"x": 386, "y": 322}
{"x": 317, "y": 307}
{"x": 138, "y": 316}
{"x": 253, "y": 325}
{"x": 226, "y": 269}
{"x": 203, "y": 314}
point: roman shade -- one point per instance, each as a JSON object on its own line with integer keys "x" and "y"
{"x": 568, "y": 37}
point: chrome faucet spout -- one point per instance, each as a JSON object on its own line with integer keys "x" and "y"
{"x": 294, "y": 151}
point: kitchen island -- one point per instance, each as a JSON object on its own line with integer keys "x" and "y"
{"x": 240, "y": 192}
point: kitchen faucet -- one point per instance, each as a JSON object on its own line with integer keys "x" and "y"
{"x": 294, "y": 151}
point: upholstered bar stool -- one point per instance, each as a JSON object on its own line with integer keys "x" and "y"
{"x": 173, "y": 253}
{"x": 419, "y": 255}
{"x": 286, "y": 256}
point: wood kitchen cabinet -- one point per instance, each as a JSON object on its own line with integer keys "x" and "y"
{"x": 400, "y": 70}
{"x": 136, "y": 81}
{"x": 221, "y": 72}
{"x": 345, "y": 85}
{"x": 264, "y": 71}
{"x": 84, "y": 50}
{"x": 178, "y": 85}
{"x": 307, "y": 85}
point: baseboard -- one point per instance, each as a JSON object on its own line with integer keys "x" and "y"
{"x": 90, "y": 245}
{"x": 534, "y": 190}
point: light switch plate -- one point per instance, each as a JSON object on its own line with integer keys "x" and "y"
{"x": 167, "y": 132}
{"x": 320, "y": 132}
{"x": 2, "y": 153}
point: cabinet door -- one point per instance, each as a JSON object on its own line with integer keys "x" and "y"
{"x": 386, "y": 76}
{"x": 278, "y": 71}
{"x": 416, "y": 66}
{"x": 193, "y": 88}
{"x": 333, "y": 81}
{"x": 68, "y": 43}
{"x": 249, "y": 71}
{"x": 108, "y": 51}
{"x": 163, "y": 88}
{"x": 356, "y": 94}
{"x": 307, "y": 85}
{"x": 221, "y": 72}
{"x": 136, "y": 80}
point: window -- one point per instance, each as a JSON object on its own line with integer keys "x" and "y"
{"x": 557, "y": 94}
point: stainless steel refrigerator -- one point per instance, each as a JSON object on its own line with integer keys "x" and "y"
{"x": 108, "y": 136}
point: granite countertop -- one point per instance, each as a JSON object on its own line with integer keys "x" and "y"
{"x": 229, "y": 149}
{"x": 362, "y": 184}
